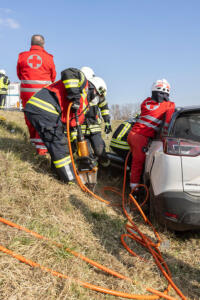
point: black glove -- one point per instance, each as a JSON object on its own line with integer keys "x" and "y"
{"x": 75, "y": 105}
{"x": 108, "y": 128}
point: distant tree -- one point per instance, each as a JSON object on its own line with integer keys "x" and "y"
{"x": 124, "y": 111}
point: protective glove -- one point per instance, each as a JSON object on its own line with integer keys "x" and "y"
{"x": 75, "y": 105}
{"x": 108, "y": 128}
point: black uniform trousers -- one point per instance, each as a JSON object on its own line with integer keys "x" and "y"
{"x": 98, "y": 145}
{"x": 2, "y": 100}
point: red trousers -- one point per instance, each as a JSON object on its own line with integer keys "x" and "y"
{"x": 137, "y": 143}
{"x": 34, "y": 136}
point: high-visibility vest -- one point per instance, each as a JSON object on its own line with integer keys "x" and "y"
{"x": 4, "y": 82}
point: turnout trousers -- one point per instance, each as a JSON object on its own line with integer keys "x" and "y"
{"x": 137, "y": 144}
{"x": 98, "y": 146}
{"x": 51, "y": 131}
{"x": 2, "y": 101}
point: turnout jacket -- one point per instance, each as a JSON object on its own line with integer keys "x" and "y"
{"x": 152, "y": 115}
{"x": 98, "y": 108}
{"x": 55, "y": 98}
{"x": 35, "y": 69}
{"x": 4, "y": 83}
{"x": 119, "y": 138}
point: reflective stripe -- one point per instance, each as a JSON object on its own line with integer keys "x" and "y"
{"x": 119, "y": 142}
{"x": 43, "y": 105}
{"x": 62, "y": 162}
{"x": 69, "y": 172}
{"x": 105, "y": 112}
{"x": 36, "y": 140}
{"x": 155, "y": 127}
{"x": 92, "y": 104}
{"x": 30, "y": 90}
{"x": 40, "y": 147}
{"x": 84, "y": 96}
{"x": 124, "y": 147}
{"x": 103, "y": 103}
{"x": 155, "y": 120}
{"x": 166, "y": 124}
{"x": 124, "y": 130}
{"x": 71, "y": 83}
{"x": 35, "y": 82}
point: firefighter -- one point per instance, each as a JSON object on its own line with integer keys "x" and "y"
{"x": 118, "y": 143}
{"x": 98, "y": 107}
{"x": 4, "y": 83}
{"x": 47, "y": 112}
{"x": 35, "y": 69}
{"x": 154, "y": 111}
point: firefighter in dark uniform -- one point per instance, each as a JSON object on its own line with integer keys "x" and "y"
{"x": 47, "y": 112}
{"x": 118, "y": 143}
{"x": 98, "y": 107}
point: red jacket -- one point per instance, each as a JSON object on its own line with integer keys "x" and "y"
{"x": 35, "y": 69}
{"x": 152, "y": 115}
{"x": 59, "y": 89}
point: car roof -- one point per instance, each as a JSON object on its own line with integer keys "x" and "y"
{"x": 187, "y": 108}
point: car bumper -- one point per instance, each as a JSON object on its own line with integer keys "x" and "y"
{"x": 177, "y": 210}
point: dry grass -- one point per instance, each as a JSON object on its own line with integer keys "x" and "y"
{"x": 32, "y": 197}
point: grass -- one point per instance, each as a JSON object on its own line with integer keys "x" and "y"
{"x": 32, "y": 197}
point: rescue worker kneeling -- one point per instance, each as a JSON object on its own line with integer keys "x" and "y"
{"x": 47, "y": 112}
{"x": 118, "y": 143}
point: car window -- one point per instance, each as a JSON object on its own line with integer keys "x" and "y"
{"x": 187, "y": 126}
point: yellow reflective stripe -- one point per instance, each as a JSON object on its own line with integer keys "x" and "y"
{"x": 124, "y": 147}
{"x": 43, "y": 105}
{"x": 105, "y": 112}
{"x": 119, "y": 141}
{"x": 69, "y": 83}
{"x": 84, "y": 95}
{"x": 124, "y": 131}
{"x": 103, "y": 103}
{"x": 82, "y": 79}
{"x": 62, "y": 162}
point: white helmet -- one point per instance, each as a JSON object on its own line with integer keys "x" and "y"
{"x": 99, "y": 85}
{"x": 88, "y": 72}
{"x": 2, "y": 72}
{"x": 161, "y": 85}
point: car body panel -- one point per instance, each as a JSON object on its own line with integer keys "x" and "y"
{"x": 191, "y": 175}
{"x": 160, "y": 167}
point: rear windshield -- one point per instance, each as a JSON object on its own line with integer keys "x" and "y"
{"x": 187, "y": 126}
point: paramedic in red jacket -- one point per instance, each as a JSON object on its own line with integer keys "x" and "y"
{"x": 154, "y": 110}
{"x": 35, "y": 69}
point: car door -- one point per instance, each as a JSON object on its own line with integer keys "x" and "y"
{"x": 187, "y": 129}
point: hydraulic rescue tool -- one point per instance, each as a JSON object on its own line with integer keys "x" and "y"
{"x": 86, "y": 162}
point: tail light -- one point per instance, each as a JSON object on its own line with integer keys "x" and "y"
{"x": 173, "y": 146}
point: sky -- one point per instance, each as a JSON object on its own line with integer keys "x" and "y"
{"x": 129, "y": 43}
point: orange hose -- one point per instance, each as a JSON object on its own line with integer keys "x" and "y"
{"x": 133, "y": 233}
{"x": 139, "y": 236}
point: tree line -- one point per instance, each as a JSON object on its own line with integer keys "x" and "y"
{"x": 124, "y": 111}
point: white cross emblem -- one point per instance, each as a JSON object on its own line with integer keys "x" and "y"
{"x": 34, "y": 61}
{"x": 149, "y": 105}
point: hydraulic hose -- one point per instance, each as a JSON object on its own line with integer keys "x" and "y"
{"x": 133, "y": 233}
